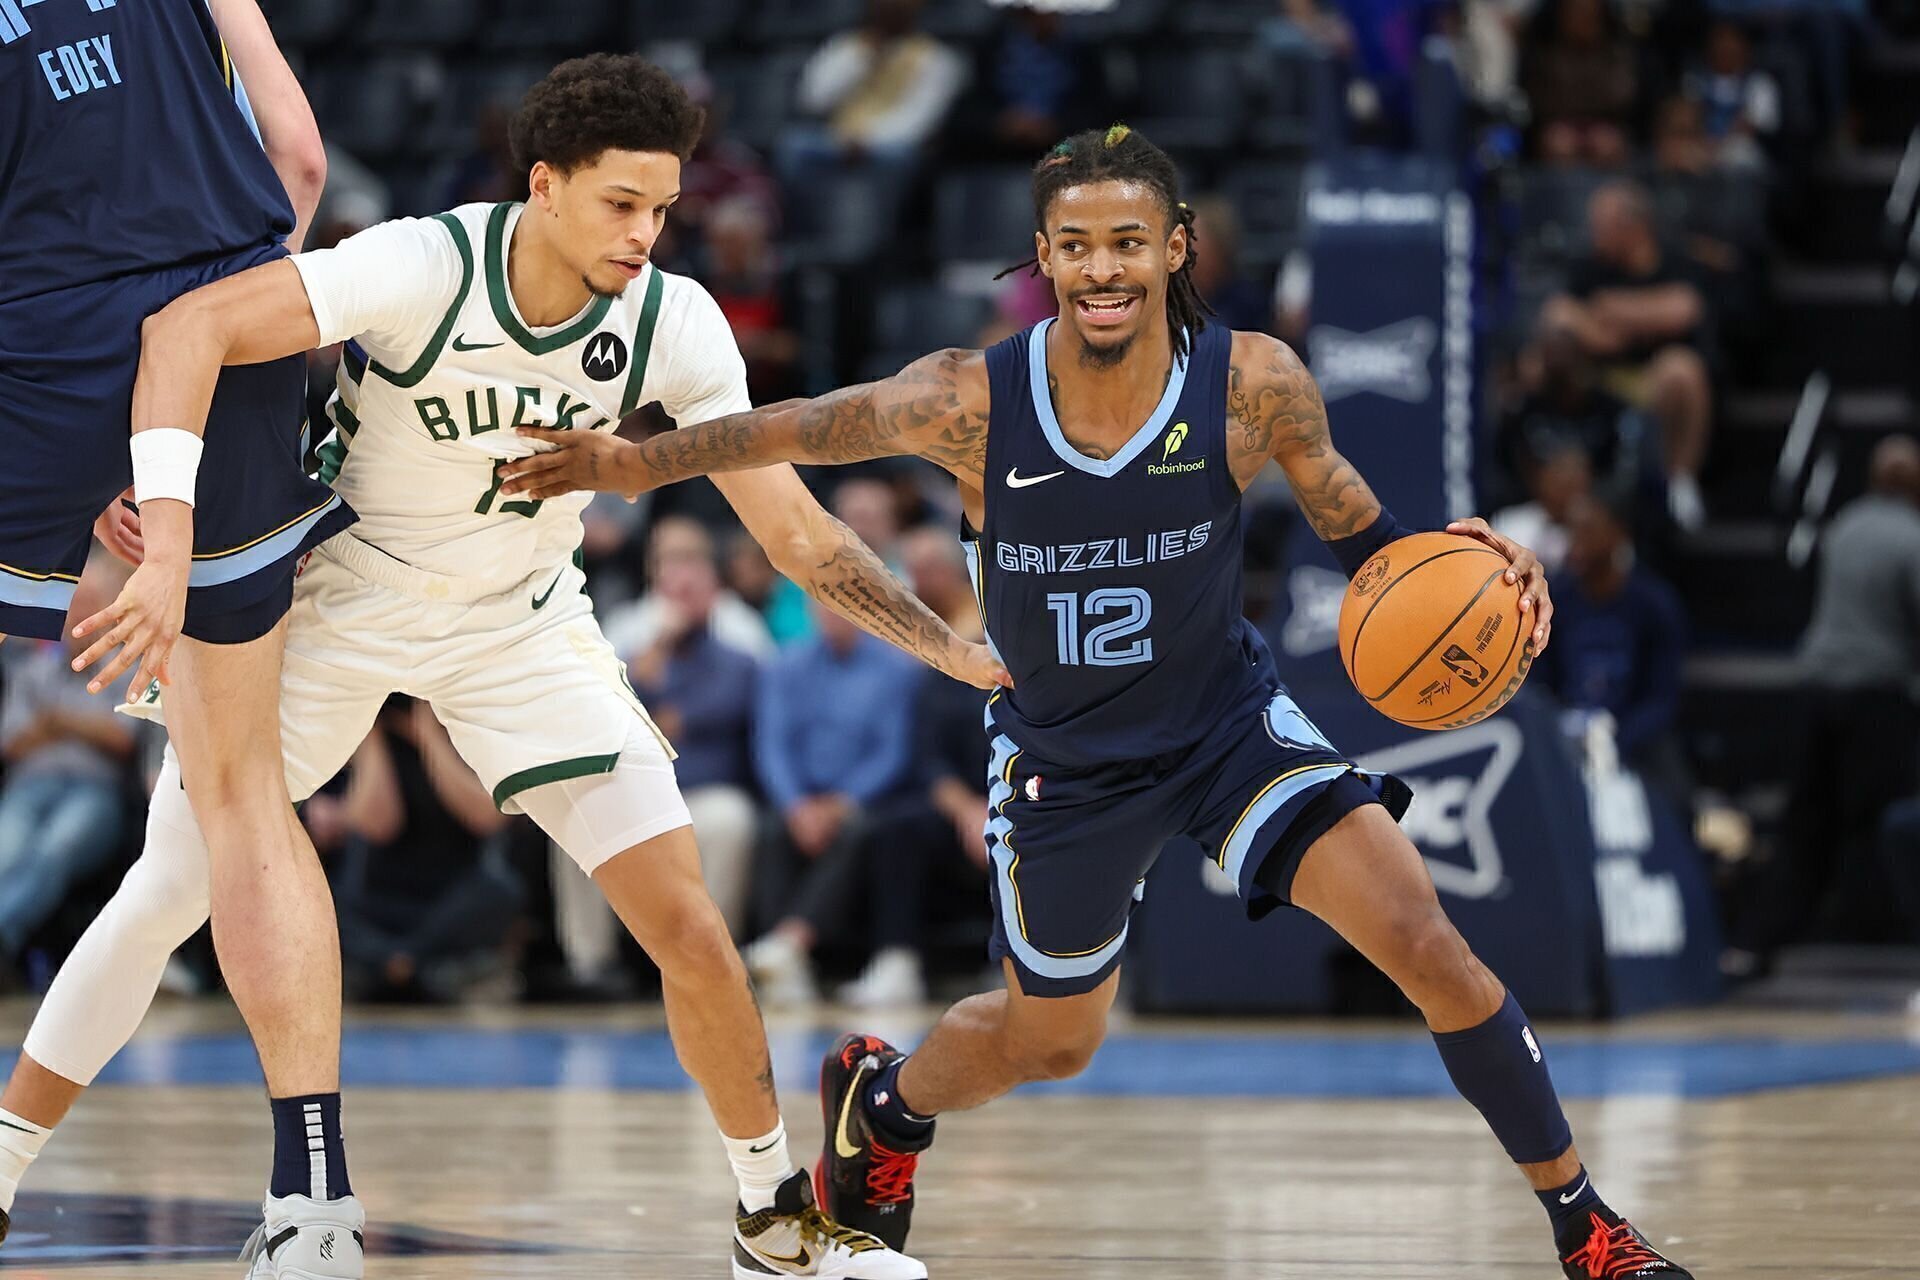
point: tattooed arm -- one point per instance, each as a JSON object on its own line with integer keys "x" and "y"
{"x": 1274, "y": 411}
{"x": 832, "y": 565}
{"x": 935, "y": 408}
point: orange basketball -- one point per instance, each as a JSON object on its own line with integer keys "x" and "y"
{"x": 1432, "y": 634}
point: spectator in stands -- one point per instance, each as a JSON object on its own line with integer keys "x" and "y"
{"x": 424, "y": 896}
{"x": 870, "y": 507}
{"x": 1860, "y": 745}
{"x": 743, "y": 274}
{"x": 1037, "y": 84}
{"x": 1740, "y": 107}
{"x": 1238, "y": 301}
{"x": 929, "y": 847}
{"x": 487, "y": 173}
{"x": 1636, "y": 308}
{"x": 1680, "y": 141}
{"x": 721, "y": 170}
{"x": 1579, "y": 74}
{"x": 67, "y": 756}
{"x": 1565, "y": 407}
{"x": 781, "y": 605}
{"x": 833, "y": 738}
{"x": 1619, "y": 646}
{"x": 638, "y": 626}
{"x": 1559, "y": 476}
{"x": 881, "y": 89}
{"x": 700, "y": 692}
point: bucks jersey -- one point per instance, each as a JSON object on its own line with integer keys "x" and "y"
{"x": 123, "y": 147}
{"x": 1111, "y": 588}
{"x": 440, "y": 367}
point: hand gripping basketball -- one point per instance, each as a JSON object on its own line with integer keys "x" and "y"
{"x": 1438, "y": 630}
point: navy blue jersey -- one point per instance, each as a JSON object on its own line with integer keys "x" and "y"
{"x": 123, "y": 145}
{"x": 1112, "y": 589}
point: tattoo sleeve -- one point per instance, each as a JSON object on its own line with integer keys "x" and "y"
{"x": 1277, "y": 413}
{"x": 923, "y": 410}
{"x": 844, "y": 574}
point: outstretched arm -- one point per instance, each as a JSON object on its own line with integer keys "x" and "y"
{"x": 260, "y": 314}
{"x": 832, "y": 565}
{"x": 1276, "y": 413}
{"x": 935, "y": 408}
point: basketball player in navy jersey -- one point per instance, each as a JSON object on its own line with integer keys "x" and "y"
{"x": 1101, "y": 456}
{"x": 133, "y": 174}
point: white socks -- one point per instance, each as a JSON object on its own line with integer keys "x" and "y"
{"x": 761, "y": 1165}
{"x": 20, "y": 1143}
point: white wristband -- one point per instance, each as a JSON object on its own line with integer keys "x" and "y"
{"x": 166, "y": 461}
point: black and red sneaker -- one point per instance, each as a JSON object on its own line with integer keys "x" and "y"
{"x": 864, "y": 1178}
{"x": 1614, "y": 1251}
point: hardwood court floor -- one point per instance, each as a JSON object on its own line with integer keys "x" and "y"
{"x": 1376, "y": 1176}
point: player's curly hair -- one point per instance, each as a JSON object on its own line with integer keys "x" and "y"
{"x": 603, "y": 102}
{"x": 1123, "y": 154}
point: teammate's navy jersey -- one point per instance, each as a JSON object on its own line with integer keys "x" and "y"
{"x": 123, "y": 145}
{"x": 1112, "y": 589}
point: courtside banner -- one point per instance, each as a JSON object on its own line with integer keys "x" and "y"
{"x": 1390, "y": 342}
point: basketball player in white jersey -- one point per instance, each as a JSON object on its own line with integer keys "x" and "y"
{"x": 460, "y": 327}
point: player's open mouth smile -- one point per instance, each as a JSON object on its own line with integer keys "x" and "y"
{"x": 631, "y": 267}
{"x": 1107, "y": 308}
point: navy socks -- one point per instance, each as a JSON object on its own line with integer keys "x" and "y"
{"x": 309, "y": 1155}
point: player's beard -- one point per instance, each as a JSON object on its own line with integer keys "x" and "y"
{"x": 602, "y": 291}
{"x": 1093, "y": 356}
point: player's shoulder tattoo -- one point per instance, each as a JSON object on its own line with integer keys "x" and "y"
{"x": 1273, "y": 402}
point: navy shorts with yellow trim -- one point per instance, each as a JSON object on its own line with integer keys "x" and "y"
{"x": 67, "y": 364}
{"x": 1071, "y": 848}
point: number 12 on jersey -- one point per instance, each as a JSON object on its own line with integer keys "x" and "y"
{"x": 1101, "y": 645}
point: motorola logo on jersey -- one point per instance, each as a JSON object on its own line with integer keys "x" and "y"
{"x": 605, "y": 357}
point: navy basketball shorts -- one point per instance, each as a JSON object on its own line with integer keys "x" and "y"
{"x": 67, "y": 364}
{"x": 1071, "y": 847}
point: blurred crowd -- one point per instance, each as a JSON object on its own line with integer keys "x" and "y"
{"x": 1636, "y": 166}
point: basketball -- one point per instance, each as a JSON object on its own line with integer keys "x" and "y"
{"x": 1431, "y": 633}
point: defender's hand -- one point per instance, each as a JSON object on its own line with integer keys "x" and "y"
{"x": 977, "y": 666}
{"x": 1524, "y": 569}
{"x": 118, "y": 529}
{"x": 143, "y": 623}
{"x": 574, "y": 460}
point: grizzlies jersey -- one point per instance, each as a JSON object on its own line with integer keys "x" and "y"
{"x": 440, "y": 368}
{"x": 1112, "y": 589}
{"x": 123, "y": 145}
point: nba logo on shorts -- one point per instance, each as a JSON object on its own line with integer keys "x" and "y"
{"x": 1033, "y": 787}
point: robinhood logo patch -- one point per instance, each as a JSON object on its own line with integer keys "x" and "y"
{"x": 1176, "y": 436}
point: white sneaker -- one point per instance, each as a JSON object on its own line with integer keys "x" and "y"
{"x": 794, "y": 1238}
{"x": 304, "y": 1239}
{"x": 782, "y": 973}
{"x": 891, "y": 980}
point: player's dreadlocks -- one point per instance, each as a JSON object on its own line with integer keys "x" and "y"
{"x": 1124, "y": 155}
{"x": 603, "y": 102}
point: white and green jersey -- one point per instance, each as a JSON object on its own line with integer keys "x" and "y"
{"x": 439, "y": 368}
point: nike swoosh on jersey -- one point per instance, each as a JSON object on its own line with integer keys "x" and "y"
{"x": 460, "y": 343}
{"x": 1017, "y": 481}
{"x": 540, "y": 601}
